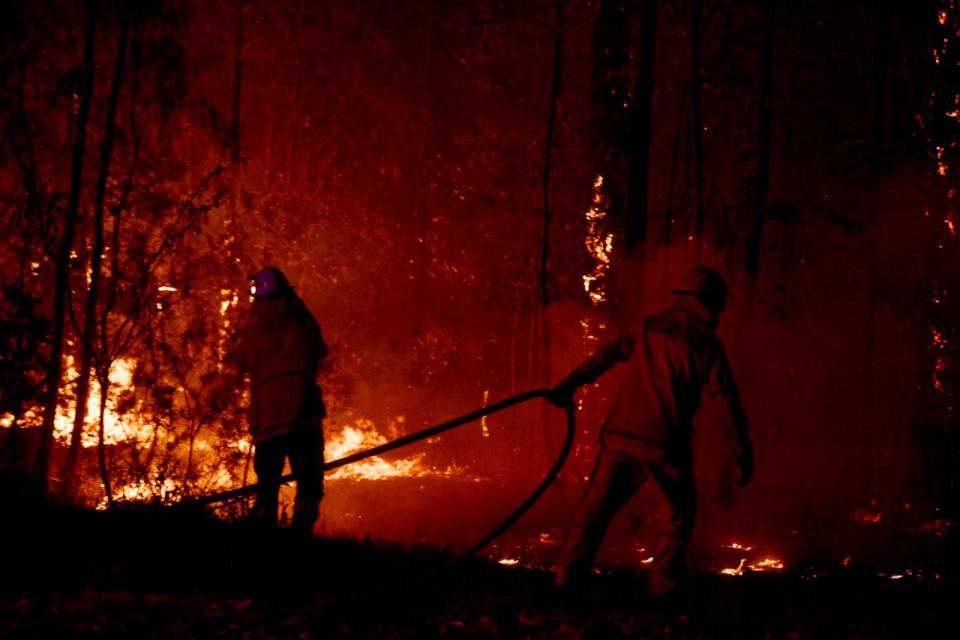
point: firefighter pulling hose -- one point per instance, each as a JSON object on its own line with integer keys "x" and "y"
{"x": 428, "y": 433}
{"x": 280, "y": 349}
{"x": 675, "y": 362}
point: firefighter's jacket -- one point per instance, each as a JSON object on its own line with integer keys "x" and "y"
{"x": 280, "y": 348}
{"x": 674, "y": 360}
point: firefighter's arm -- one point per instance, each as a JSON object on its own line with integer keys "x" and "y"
{"x": 722, "y": 394}
{"x": 601, "y": 361}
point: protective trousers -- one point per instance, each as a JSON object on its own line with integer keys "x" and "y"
{"x": 304, "y": 447}
{"x": 615, "y": 479}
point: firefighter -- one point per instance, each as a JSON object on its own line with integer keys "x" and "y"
{"x": 675, "y": 360}
{"x": 280, "y": 349}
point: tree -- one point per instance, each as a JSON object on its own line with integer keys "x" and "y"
{"x": 696, "y": 86}
{"x": 88, "y": 335}
{"x": 755, "y": 234}
{"x": 62, "y": 278}
{"x": 641, "y": 112}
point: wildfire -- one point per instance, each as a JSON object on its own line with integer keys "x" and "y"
{"x": 362, "y": 435}
{"x": 508, "y": 562}
{"x": 767, "y": 564}
{"x": 116, "y": 427}
{"x": 738, "y": 571}
{"x": 599, "y": 244}
{"x": 760, "y": 566}
{"x": 142, "y": 491}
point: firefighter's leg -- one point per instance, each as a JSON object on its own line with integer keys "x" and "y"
{"x": 615, "y": 478}
{"x": 676, "y": 493}
{"x": 268, "y": 464}
{"x": 306, "y": 461}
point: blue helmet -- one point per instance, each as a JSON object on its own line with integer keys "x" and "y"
{"x": 268, "y": 282}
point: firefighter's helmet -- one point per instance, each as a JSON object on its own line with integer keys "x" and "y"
{"x": 704, "y": 283}
{"x": 268, "y": 282}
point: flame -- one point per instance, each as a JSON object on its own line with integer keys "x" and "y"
{"x": 767, "y": 564}
{"x": 757, "y": 564}
{"x": 117, "y": 428}
{"x": 363, "y": 435}
{"x": 599, "y": 244}
{"x": 760, "y": 566}
{"x": 228, "y": 298}
{"x": 508, "y": 562}
{"x": 142, "y": 491}
{"x": 738, "y": 571}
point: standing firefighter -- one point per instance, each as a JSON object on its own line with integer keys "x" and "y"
{"x": 280, "y": 349}
{"x": 674, "y": 359}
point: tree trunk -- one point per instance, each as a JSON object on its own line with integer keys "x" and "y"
{"x": 609, "y": 95}
{"x": 880, "y": 65}
{"x": 548, "y": 153}
{"x": 696, "y": 82}
{"x": 678, "y": 140}
{"x": 88, "y": 338}
{"x": 237, "y": 84}
{"x": 104, "y": 380}
{"x": 637, "y": 175}
{"x": 544, "y": 341}
{"x": 41, "y": 467}
{"x": 755, "y": 236}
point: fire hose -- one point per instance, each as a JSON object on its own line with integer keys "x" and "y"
{"x": 429, "y": 432}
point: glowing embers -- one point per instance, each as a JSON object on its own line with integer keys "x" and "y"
{"x": 939, "y": 344}
{"x": 938, "y": 527}
{"x": 763, "y": 565}
{"x": 599, "y": 244}
{"x": 363, "y": 435}
{"x": 757, "y": 564}
{"x": 868, "y": 515}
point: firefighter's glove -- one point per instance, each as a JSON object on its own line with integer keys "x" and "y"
{"x": 562, "y": 395}
{"x": 745, "y": 462}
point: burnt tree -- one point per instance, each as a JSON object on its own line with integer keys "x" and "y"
{"x": 696, "y": 85}
{"x": 641, "y": 111}
{"x": 61, "y": 290}
{"x": 609, "y": 117}
{"x": 755, "y": 235}
{"x": 88, "y": 334}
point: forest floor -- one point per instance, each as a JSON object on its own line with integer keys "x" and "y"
{"x": 146, "y": 574}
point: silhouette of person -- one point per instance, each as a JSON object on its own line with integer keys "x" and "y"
{"x": 280, "y": 349}
{"x": 674, "y": 361}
